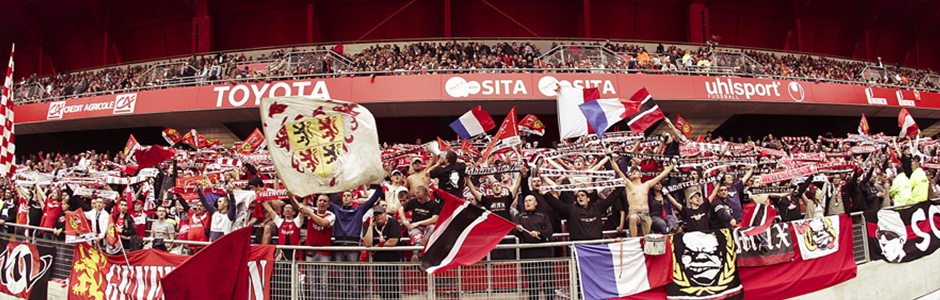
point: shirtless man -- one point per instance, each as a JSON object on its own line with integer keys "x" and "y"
{"x": 420, "y": 176}
{"x": 638, "y": 197}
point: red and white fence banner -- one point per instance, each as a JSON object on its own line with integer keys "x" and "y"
{"x": 99, "y": 276}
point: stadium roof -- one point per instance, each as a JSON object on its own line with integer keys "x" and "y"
{"x": 62, "y": 35}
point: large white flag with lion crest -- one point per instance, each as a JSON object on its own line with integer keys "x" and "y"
{"x": 321, "y": 145}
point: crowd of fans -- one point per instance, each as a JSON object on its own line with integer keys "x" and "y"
{"x": 434, "y": 57}
{"x": 671, "y": 184}
{"x": 872, "y": 172}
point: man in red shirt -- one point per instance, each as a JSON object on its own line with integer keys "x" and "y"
{"x": 319, "y": 232}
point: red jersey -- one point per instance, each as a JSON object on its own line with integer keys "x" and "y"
{"x": 197, "y": 226}
{"x": 50, "y": 212}
{"x": 319, "y": 235}
{"x": 288, "y": 232}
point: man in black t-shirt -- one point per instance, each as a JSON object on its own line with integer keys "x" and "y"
{"x": 383, "y": 231}
{"x": 696, "y": 214}
{"x": 450, "y": 176}
{"x": 722, "y": 214}
{"x": 424, "y": 214}
{"x": 500, "y": 202}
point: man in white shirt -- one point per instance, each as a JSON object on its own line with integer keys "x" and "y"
{"x": 98, "y": 218}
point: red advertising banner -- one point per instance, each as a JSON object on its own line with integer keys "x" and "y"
{"x": 456, "y": 87}
{"x": 99, "y": 276}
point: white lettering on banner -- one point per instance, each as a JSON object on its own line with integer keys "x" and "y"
{"x": 99, "y": 106}
{"x": 458, "y": 87}
{"x": 733, "y": 90}
{"x": 870, "y": 94}
{"x": 144, "y": 282}
{"x": 123, "y": 104}
{"x": 240, "y": 94}
{"x": 902, "y": 101}
{"x": 256, "y": 271}
{"x": 933, "y": 212}
{"x": 918, "y": 216}
{"x": 548, "y": 85}
{"x": 123, "y": 281}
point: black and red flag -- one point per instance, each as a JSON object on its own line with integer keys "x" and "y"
{"x": 464, "y": 234}
{"x": 649, "y": 112}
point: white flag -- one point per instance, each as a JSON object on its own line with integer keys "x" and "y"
{"x": 320, "y": 145}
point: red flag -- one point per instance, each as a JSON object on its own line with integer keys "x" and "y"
{"x": 530, "y": 124}
{"x": 444, "y": 146}
{"x": 131, "y": 145}
{"x": 464, "y": 234}
{"x": 863, "y": 126}
{"x": 648, "y": 115}
{"x": 700, "y": 139}
{"x": 684, "y": 126}
{"x": 215, "y": 272}
{"x": 153, "y": 156}
{"x": 252, "y": 142}
{"x": 76, "y": 226}
{"x": 172, "y": 136}
{"x": 190, "y": 138}
{"x": 758, "y": 216}
{"x": 469, "y": 149}
{"x": 508, "y": 134}
{"x": 907, "y": 124}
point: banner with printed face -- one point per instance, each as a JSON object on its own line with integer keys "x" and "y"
{"x": 704, "y": 266}
{"x": 25, "y": 270}
{"x": 817, "y": 237}
{"x": 903, "y": 234}
{"x": 99, "y": 276}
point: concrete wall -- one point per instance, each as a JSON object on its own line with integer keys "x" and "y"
{"x": 881, "y": 280}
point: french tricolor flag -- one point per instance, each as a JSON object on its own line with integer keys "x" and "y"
{"x": 603, "y": 113}
{"x": 474, "y": 122}
{"x": 620, "y": 269}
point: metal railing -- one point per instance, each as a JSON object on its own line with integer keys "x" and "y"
{"x": 554, "y": 277}
{"x": 694, "y": 70}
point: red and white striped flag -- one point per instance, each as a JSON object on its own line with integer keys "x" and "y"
{"x": 7, "y": 147}
{"x": 907, "y": 124}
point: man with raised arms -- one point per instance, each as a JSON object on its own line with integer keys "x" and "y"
{"x": 638, "y": 197}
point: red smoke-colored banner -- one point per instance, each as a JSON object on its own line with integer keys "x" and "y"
{"x": 473, "y": 87}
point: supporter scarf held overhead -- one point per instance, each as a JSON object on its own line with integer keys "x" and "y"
{"x": 321, "y": 145}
